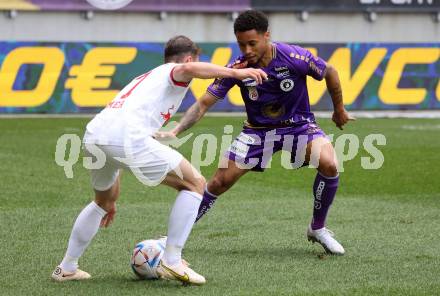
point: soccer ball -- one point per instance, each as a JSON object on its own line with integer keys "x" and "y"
{"x": 146, "y": 257}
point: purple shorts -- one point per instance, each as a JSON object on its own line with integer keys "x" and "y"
{"x": 253, "y": 148}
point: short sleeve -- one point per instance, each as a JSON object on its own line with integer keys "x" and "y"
{"x": 220, "y": 87}
{"x": 170, "y": 69}
{"x": 306, "y": 63}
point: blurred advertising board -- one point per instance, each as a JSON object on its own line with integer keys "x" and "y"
{"x": 79, "y": 77}
{"x": 348, "y": 5}
{"x": 134, "y": 6}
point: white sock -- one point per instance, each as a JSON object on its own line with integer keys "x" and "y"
{"x": 180, "y": 223}
{"x": 85, "y": 228}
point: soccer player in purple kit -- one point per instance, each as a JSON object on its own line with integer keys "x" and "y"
{"x": 278, "y": 113}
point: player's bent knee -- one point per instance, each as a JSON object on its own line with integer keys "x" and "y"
{"x": 219, "y": 184}
{"x": 328, "y": 169}
{"x": 106, "y": 199}
{"x": 115, "y": 194}
{"x": 106, "y": 205}
{"x": 328, "y": 163}
{"x": 199, "y": 185}
{"x": 196, "y": 185}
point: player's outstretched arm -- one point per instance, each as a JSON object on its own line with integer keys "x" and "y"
{"x": 187, "y": 71}
{"x": 195, "y": 113}
{"x": 340, "y": 115}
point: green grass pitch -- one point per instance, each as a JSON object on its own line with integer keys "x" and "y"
{"x": 252, "y": 242}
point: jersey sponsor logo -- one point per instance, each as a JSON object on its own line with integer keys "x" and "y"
{"x": 282, "y": 72}
{"x": 281, "y": 69}
{"x": 273, "y": 110}
{"x": 287, "y": 84}
{"x": 167, "y": 116}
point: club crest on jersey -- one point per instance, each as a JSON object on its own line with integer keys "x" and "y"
{"x": 287, "y": 84}
{"x": 253, "y": 93}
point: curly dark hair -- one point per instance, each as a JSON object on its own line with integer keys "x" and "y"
{"x": 251, "y": 20}
{"x": 179, "y": 46}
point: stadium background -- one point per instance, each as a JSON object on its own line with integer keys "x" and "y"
{"x": 68, "y": 57}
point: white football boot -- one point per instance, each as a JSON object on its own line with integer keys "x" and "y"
{"x": 60, "y": 275}
{"x": 180, "y": 272}
{"x": 324, "y": 237}
{"x": 163, "y": 240}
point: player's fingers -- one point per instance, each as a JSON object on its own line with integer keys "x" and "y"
{"x": 338, "y": 123}
{"x": 108, "y": 221}
{"x": 103, "y": 221}
{"x": 257, "y": 78}
{"x": 352, "y": 118}
{"x": 157, "y": 135}
{"x": 263, "y": 74}
{"x": 260, "y": 75}
{"x": 111, "y": 217}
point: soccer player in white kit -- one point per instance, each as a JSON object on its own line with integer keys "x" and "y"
{"x": 122, "y": 137}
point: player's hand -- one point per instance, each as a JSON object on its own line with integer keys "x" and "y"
{"x": 108, "y": 218}
{"x": 165, "y": 136}
{"x": 341, "y": 117}
{"x": 256, "y": 74}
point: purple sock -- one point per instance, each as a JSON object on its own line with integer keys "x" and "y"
{"x": 324, "y": 190}
{"x": 207, "y": 202}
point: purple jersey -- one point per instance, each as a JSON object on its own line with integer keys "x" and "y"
{"x": 283, "y": 99}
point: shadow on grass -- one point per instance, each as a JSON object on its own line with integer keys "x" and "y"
{"x": 271, "y": 252}
{"x": 119, "y": 284}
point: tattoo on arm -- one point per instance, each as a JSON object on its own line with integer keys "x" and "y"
{"x": 190, "y": 118}
{"x": 335, "y": 90}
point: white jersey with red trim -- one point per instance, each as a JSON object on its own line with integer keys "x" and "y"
{"x": 139, "y": 110}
